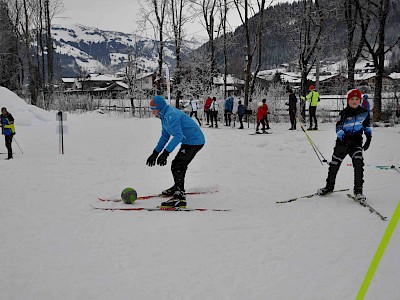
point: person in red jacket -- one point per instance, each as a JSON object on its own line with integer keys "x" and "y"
{"x": 207, "y": 106}
{"x": 262, "y": 113}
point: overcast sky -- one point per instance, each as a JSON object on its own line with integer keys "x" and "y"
{"x": 118, "y": 15}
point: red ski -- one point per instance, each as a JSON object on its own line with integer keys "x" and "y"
{"x": 155, "y": 196}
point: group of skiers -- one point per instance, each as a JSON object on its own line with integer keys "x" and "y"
{"x": 354, "y": 120}
{"x": 211, "y": 108}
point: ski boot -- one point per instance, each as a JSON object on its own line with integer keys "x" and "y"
{"x": 178, "y": 200}
{"x": 324, "y": 191}
{"x": 359, "y": 196}
{"x": 169, "y": 192}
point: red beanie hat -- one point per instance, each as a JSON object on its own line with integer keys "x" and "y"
{"x": 311, "y": 88}
{"x": 353, "y": 93}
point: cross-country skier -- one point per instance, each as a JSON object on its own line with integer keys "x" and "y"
{"x": 262, "y": 113}
{"x": 214, "y": 112}
{"x": 228, "y": 111}
{"x": 313, "y": 97}
{"x": 8, "y": 129}
{"x": 193, "y": 105}
{"x": 292, "y": 103}
{"x": 241, "y": 111}
{"x": 183, "y": 129}
{"x": 365, "y": 102}
{"x": 207, "y": 111}
{"x": 352, "y": 123}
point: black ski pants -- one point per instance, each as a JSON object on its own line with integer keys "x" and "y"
{"x": 292, "y": 116}
{"x": 241, "y": 121}
{"x": 262, "y": 122}
{"x": 313, "y": 116}
{"x": 339, "y": 153}
{"x": 227, "y": 116}
{"x": 180, "y": 164}
{"x": 208, "y": 116}
{"x": 195, "y": 115}
{"x": 8, "y": 139}
{"x": 214, "y": 117}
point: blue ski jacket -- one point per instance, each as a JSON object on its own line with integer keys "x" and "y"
{"x": 241, "y": 110}
{"x": 352, "y": 123}
{"x": 180, "y": 126}
{"x": 229, "y": 104}
{"x": 7, "y": 123}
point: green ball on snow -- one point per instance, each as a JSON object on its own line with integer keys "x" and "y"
{"x": 129, "y": 195}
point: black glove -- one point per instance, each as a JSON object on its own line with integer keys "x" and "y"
{"x": 151, "y": 161}
{"x": 367, "y": 143}
{"x": 162, "y": 159}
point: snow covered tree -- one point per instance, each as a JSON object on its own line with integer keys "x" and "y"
{"x": 10, "y": 64}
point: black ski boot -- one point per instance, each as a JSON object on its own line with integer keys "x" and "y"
{"x": 169, "y": 192}
{"x": 324, "y": 191}
{"x": 178, "y": 200}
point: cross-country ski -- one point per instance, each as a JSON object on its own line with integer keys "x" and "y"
{"x": 157, "y": 209}
{"x": 155, "y": 196}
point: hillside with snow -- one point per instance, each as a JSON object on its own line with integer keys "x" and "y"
{"x": 54, "y": 245}
{"x": 93, "y": 50}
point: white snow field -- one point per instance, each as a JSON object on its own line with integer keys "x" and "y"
{"x": 54, "y": 245}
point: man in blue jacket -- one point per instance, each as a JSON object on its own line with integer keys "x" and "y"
{"x": 228, "y": 111}
{"x": 8, "y": 129}
{"x": 183, "y": 130}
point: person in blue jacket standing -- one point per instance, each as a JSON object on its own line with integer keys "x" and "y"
{"x": 7, "y": 129}
{"x": 228, "y": 111}
{"x": 183, "y": 130}
{"x": 241, "y": 110}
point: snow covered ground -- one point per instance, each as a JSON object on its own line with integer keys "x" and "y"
{"x": 55, "y": 246}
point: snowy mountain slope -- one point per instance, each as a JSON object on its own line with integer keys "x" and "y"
{"x": 55, "y": 246}
{"x": 95, "y": 50}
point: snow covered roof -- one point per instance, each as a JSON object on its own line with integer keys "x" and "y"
{"x": 122, "y": 84}
{"x": 96, "y": 77}
{"x": 229, "y": 80}
{"x": 68, "y": 80}
{"x": 290, "y": 77}
{"x": 364, "y": 76}
{"x": 395, "y": 75}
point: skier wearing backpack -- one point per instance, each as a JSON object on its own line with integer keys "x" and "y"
{"x": 352, "y": 123}
{"x": 184, "y": 130}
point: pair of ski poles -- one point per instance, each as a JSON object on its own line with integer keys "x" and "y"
{"x": 320, "y": 156}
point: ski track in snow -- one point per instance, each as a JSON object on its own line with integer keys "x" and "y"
{"x": 55, "y": 246}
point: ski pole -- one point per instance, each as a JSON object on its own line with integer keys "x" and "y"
{"x": 18, "y": 145}
{"x": 394, "y": 167}
{"x": 315, "y": 148}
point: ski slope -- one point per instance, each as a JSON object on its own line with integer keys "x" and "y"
{"x": 55, "y": 246}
